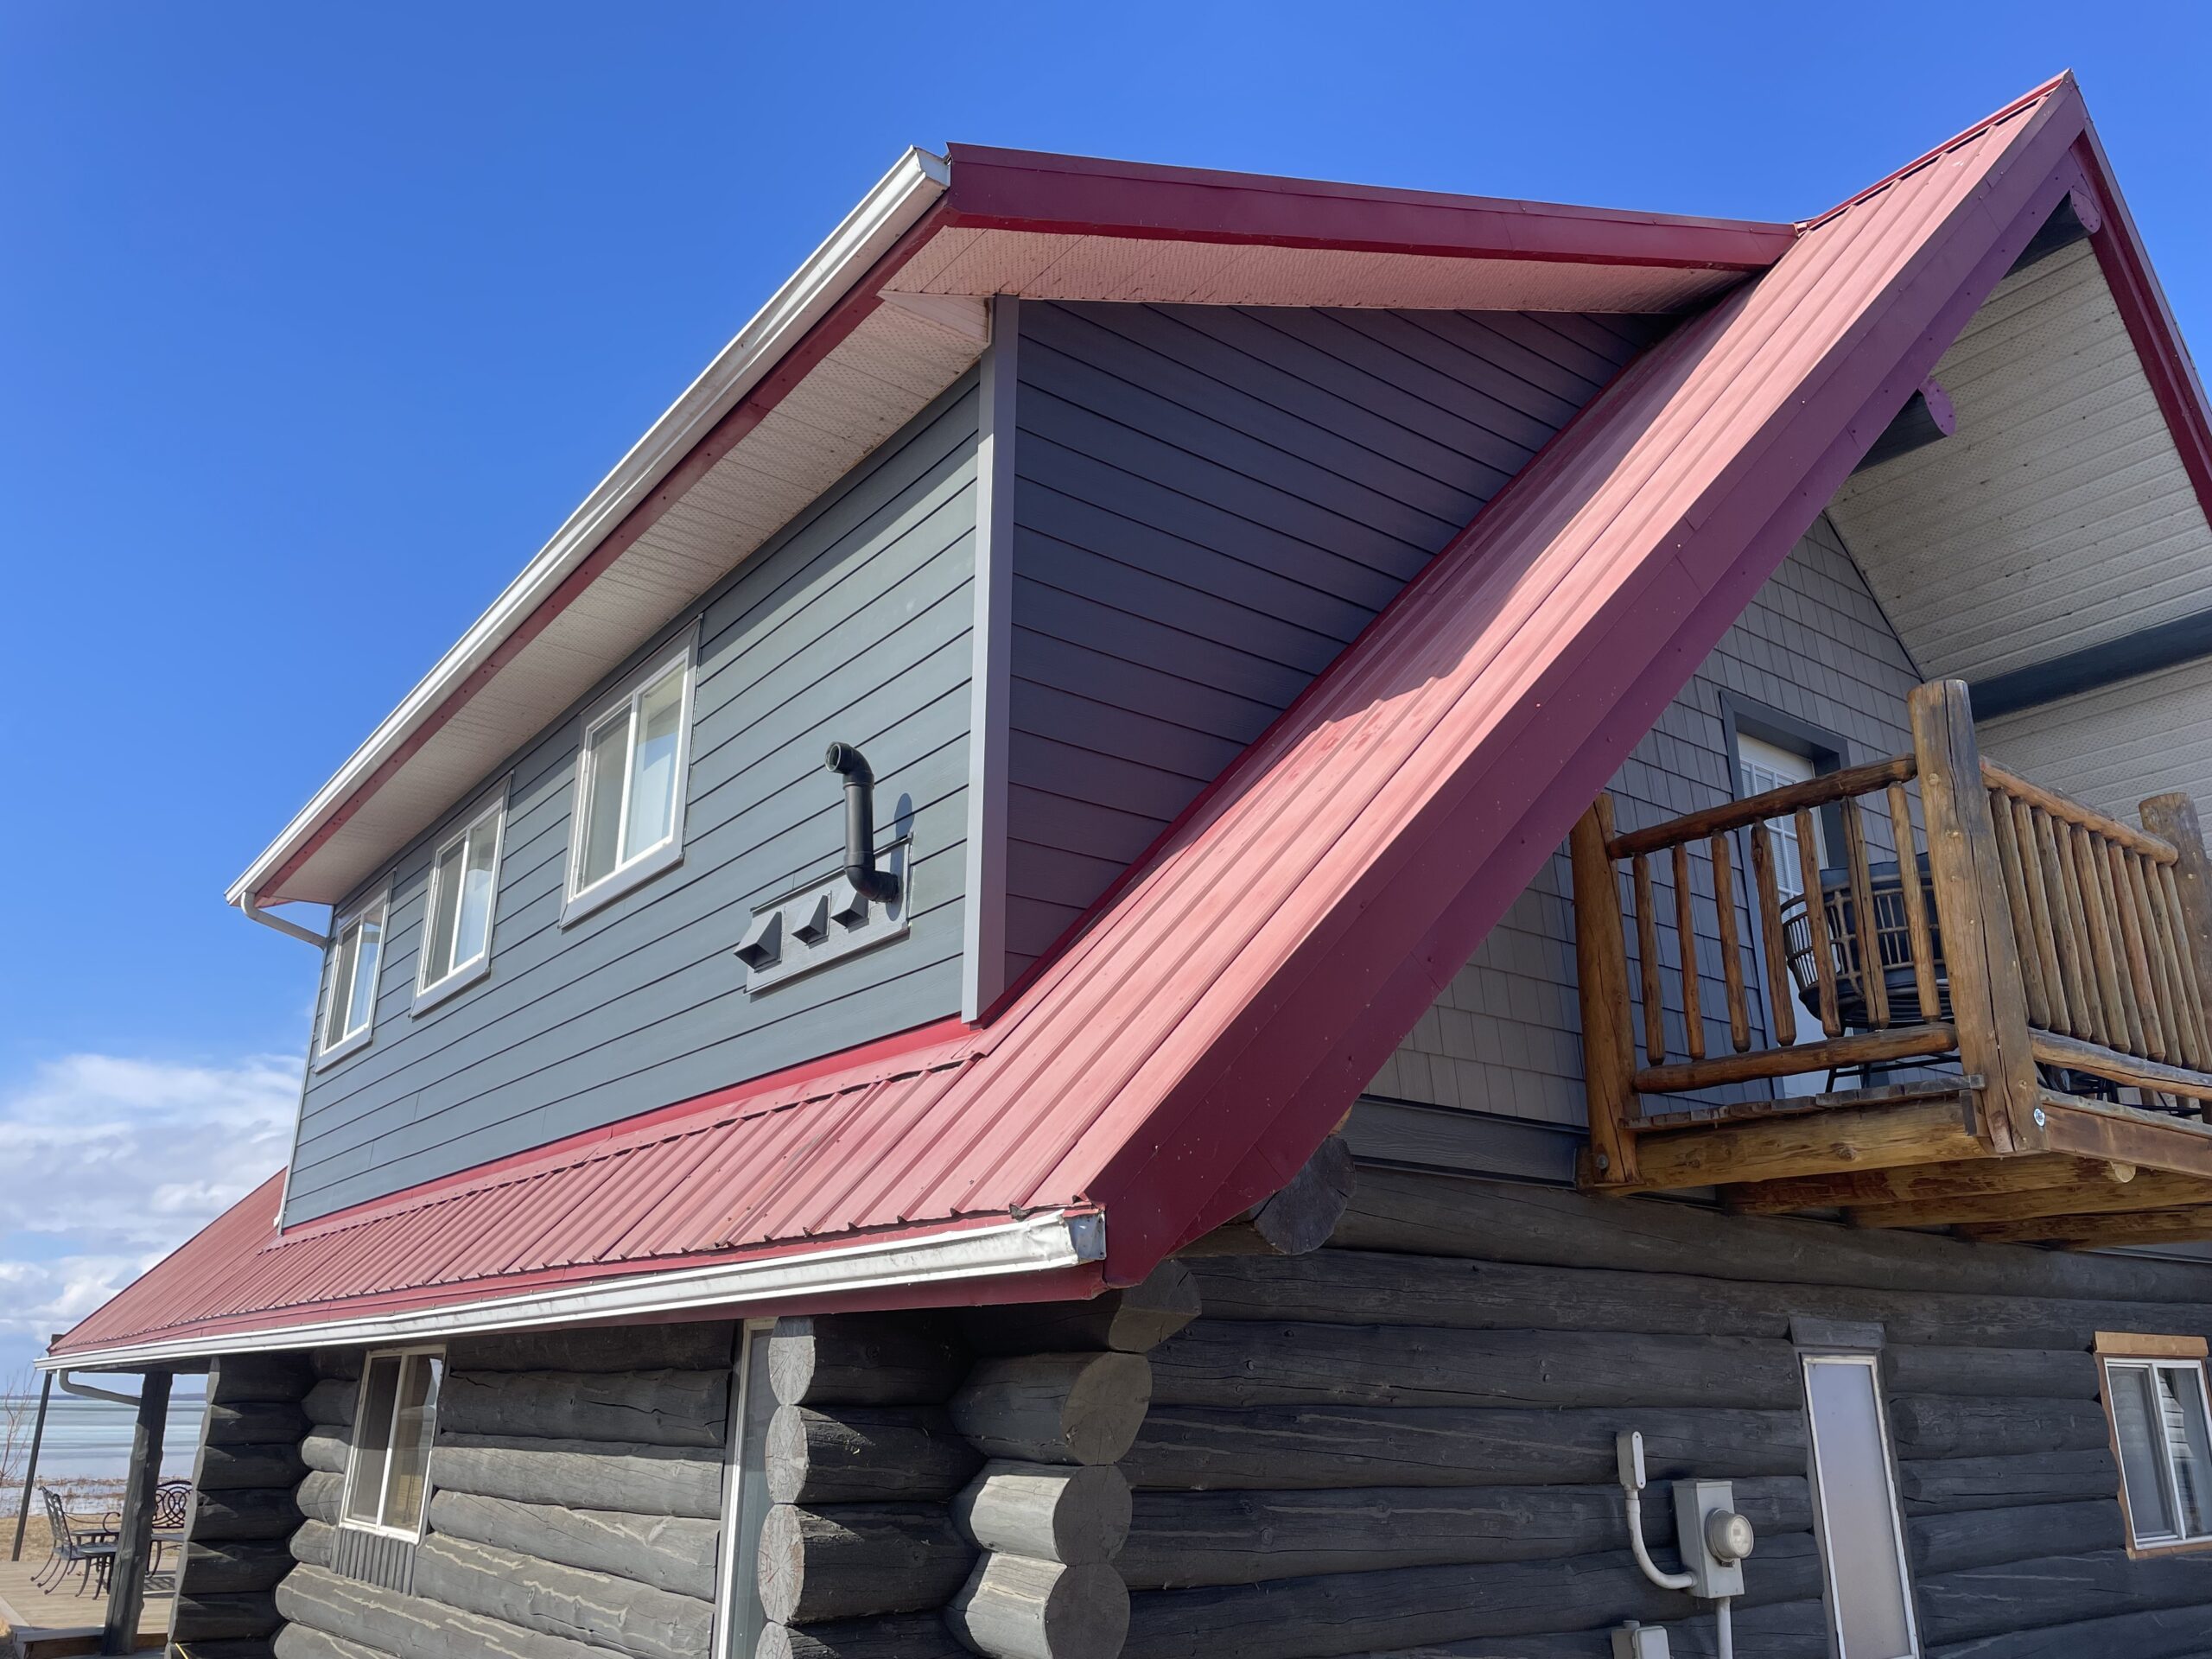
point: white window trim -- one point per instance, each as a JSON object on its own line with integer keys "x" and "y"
{"x": 429, "y": 993}
{"x": 353, "y": 1449}
{"x": 751, "y": 1331}
{"x": 2158, "y": 1543}
{"x": 643, "y": 866}
{"x": 1872, "y": 1363}
{"x": 328, "y": 1053}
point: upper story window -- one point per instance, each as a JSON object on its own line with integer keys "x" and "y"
{"x": 2162, "y": 1428}
{"x": 628, "y": 822}
{"x": 349, "y": 1013}
{"x": 457, "y": 948}
{"x": 394, "y": 1420}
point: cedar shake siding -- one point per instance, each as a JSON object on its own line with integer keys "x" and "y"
{"x": 854, "y": 626}
{"x": 1209, "y": 503}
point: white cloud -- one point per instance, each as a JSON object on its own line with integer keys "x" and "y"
{"x": 112, "y": 1163}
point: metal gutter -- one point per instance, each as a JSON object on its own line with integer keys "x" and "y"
{"x": 1046, "y": 1241}
{"x": 897, "y": 202}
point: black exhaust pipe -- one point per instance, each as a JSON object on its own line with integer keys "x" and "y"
{"x": 860, "y": 826}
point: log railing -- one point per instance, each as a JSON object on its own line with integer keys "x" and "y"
{"x": 2042, "y": 944}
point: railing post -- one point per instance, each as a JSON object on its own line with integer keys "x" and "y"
{"x": 1601, "y": 971}
{"x": 2173, "y": 818}
{"x": 1989, "y": 1001}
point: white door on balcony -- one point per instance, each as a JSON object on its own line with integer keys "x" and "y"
{"x": 1760, "y": 766}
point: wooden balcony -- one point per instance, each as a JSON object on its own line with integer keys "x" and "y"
{"x": 2023, "y": 1026}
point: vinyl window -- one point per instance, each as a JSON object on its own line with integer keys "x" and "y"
{"x": 456, "y": 946}
{"x": 394, "y": 1420}
{"x": 745, "y": 1497}
{"x": 1855, "y": 1508}
{"x": 349, "y": 1011}
{"x": 2161, "y": 1426}
{"x": 628, "y": 823}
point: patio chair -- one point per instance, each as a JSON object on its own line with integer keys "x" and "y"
{"x": 76, "y": 1544}
{"x": 172, "y": 1505}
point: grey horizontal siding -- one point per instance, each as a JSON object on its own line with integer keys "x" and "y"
{"x": 1211, "y": 502}
{"x": 854, "y": 625}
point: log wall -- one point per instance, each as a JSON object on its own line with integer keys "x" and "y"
{"x": 1405, "y": 1440}
{"x": 243, "y": 1506}
{"x": 575, "y": 1513}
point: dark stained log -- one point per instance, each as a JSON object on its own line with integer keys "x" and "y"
{"x": 1940, "y": 1426}
{"x": 326, "y": 1449}
{"x": 1050, "y": 1512}
{"x": 896, "y": 1636}
{"x": 225, "y": 1569}
{"x": 238, "y": 1468}
{"x": 313, "y": 1543}
{"x": 655, "y": 1407}
{"x": 1223, "y": 1363}
{"x": 1361, "y": 1286}
{"x": 337, "y": 1362}
{"x": 1442, "y": 1215}
{"x": 1013, "y": 1607}
{"x": 1177, "y": 1540}
{"x": 1128, "y": 1321}
{"x": 319, "y": 1496}
{"x": 330, "y": 1402}
{"x": 239, "y": 1379}
{"x": 2161, "y": 1633}
{"x": 1323, "y": 1447}
{"x": 866, "y": 1360}
{"x": 593, "y": 1608}
{"x": 220, "y": 1617}
{"x": 305, "y": 1641}
{"x": 2032, "y": 1373}
{"x": 1950, "y": 1544}
{"x": 702, "y": 1346}
{"x": 859, "y": 1454}
{"x": 671, "y": 1552}
{"x": 1418, "y": 1607}
{"x": 134, "y": 1537}
{"x": 1055, "y": 1408}
{"x": 1940, "y": 1485}
{"x": 819, "y": 1564}
{"x": 244, "y": 1647}
{"x": 2056, "y": 1590}
{"x": 1297, "y": 1219}
{"x": 256, "y": 1422}
{"x": 1788, "y": 1630}
{"x": 583, "y": 1474}
{"x": 414, "y": 1627}
{"x": 220, "y": 1517}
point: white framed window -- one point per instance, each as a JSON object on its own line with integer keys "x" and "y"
{"x": 456, "y": 947}
{"x": 738, "y": 1618}
{"x": 2161, "y": 1421}
{"x": 349, "y": 1009}
{"x": 394, "y": 1420}
{"x": 1855, "y": 1517}
{"x": 627, "y": 821}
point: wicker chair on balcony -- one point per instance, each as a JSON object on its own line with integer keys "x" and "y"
{"x": 77, "y": 1546}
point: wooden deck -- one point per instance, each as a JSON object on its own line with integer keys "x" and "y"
{"x": 48, "y": 1626}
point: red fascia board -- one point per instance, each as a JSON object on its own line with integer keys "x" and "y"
{"x": 862, "y": 298}
{"x": 1026, "y": 190}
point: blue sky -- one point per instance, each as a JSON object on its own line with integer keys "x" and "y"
{"x": 317, "y": 320}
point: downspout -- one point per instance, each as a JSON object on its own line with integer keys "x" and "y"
{"x": 254, "y": 913}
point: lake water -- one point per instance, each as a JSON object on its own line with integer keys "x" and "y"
{"x": 90, "y": 1440}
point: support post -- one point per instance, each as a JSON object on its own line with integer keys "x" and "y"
{"x": 1989, "y": 999}
{"x": 1601, "y": 973}
{"x": 126, "y": 1590}
{"x": 30, "y": 1468}
{"x": 2173, "y": 818}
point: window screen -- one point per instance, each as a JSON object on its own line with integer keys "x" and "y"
{"x": 2158, "y": 1423}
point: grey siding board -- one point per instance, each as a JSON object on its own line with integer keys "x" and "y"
{"x": 1210, "y": 503}
{"x": 854, "y": 624}
{"x": 1506, "y": 1036}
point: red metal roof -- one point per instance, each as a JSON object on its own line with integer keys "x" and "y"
{"x": 1229, "y": 1000}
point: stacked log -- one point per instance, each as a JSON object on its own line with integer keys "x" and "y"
{"x": 575, "y": 1512}
{"x": 234, "y": 1556}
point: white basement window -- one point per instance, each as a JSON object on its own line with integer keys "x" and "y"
{"x": 628, "y": 822}
{"x": 395, "y": 1420}
{"x": 1855, "y": 1509}
{"x": 456, "y": 949}
{"x": 2162, "y": 1429}
{"x": 349, "y": 1011}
